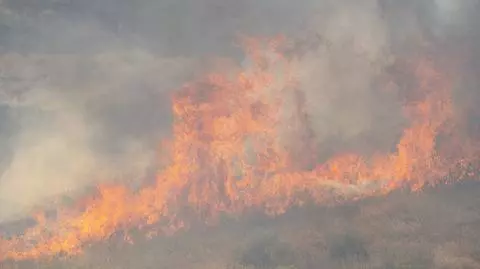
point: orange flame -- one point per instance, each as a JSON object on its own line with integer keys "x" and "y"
{"x": 227, "y": 155}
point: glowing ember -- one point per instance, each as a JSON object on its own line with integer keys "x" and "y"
{"x": 227, "y": 155}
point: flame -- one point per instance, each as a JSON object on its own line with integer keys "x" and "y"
{"x": 228, "y": 154}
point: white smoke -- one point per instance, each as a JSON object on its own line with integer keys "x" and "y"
{"x": 77, "y": 127}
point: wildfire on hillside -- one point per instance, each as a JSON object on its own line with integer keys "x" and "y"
{"x": 234, "y": 149}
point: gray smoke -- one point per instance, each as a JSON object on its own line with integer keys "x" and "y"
{"x": 85, "y": 84}
{"x": 85, "y": 93}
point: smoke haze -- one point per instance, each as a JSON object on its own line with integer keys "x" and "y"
{"x": 85, "y": 85}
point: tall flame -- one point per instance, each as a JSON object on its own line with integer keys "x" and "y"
{"x": 228, "y": 154}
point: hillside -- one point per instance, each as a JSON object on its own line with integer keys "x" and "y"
{"x": 437, "y": 228}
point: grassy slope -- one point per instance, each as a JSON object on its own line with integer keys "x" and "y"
{"x": 438, "y": 228}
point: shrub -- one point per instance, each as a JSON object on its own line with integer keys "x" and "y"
{"x": 348, "y": 248}
{"x": 267, "y": 253}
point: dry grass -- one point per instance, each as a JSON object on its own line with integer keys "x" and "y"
{"x": 434, "y": 229}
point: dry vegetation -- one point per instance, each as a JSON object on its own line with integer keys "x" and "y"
{"x": 437, "y": 228}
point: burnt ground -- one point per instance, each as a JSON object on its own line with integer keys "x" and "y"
{"x": 437, "y": 228}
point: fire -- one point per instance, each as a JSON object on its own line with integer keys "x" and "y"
{"x": 228, "y": 154}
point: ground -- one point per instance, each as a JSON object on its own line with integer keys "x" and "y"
{"x": 436, "y": 228}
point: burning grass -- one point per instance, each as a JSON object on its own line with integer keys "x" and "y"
{"x": 401, "y": 230}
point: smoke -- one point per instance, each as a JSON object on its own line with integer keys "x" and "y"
{"x": 81, "y": 120}
{"x": 86, "y": 84}
{"x": 342, "y": 78}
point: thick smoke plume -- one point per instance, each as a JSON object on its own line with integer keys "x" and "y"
{"x": 85, "y": 85}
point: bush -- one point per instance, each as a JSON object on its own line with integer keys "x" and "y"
{"x": 267, "y": 253}
{"x": 348, "y": 248}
